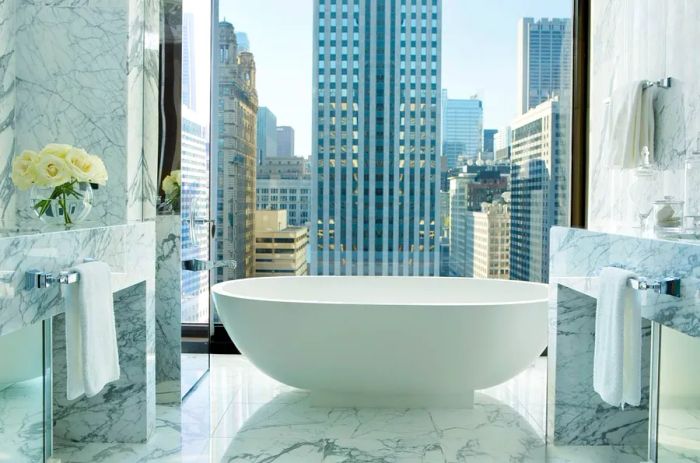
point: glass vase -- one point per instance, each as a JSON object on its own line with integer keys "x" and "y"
{"x": 64, "y": 205}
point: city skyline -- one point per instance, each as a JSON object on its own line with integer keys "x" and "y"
{"x": 492, "y": 26}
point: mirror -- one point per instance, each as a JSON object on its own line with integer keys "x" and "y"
{"x": 183, "y": 222}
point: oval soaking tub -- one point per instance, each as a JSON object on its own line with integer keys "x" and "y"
{"x": 386, "y": 341}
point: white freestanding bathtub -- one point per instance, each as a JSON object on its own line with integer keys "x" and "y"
{"x": 386, "y": 341}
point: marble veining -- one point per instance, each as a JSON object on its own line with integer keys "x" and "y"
{"x": 168, "y": 307}
{"x": 72, "y": 88}
{"x": 128, "y": 249}
{"x": 21, "y": 421}
{"x": 580, "y": 254}
{"x": 7, "y": 107}
{"x": 83, "y": 72}
{"x": 620, "y": 55}
{"x": 122, "y": 412}
{"x": 577, "y": 415}
{"x": 238, "y": 414}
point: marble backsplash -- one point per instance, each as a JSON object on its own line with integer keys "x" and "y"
{"x": 633, "y": 41}
{"x": 83, "y": 73}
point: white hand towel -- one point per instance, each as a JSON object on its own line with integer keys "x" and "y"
{"x": 617, "y": 363}
{"x": 92, "y": 357}
{"x": 630, "y": 126}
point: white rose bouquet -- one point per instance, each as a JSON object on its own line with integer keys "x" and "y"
{"x": 172, "y": 185}
{"x": 60, "y": 167}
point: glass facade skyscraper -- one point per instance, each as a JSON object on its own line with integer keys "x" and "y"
{"x": 376, "y": 119}
{"x": 543, "y": 60}
{"x": 266, "y": 138}
{"x": 462, "y": 129}
{"x": 539, "y": 187}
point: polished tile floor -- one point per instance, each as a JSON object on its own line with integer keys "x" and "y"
{"x": 237, "y": 414}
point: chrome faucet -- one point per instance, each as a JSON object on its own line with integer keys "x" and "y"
{"x": 197, "y": 265}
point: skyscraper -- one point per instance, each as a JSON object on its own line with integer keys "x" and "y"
{"x": 543, "y": 60}
{"x": 462, "y": 129}
{"x": 376, "y": 129}
{"x": 488, "y": 148}
{"x": 266, "y": 141}
{"x": 189, "y": 92}
{"x": 501, "y": 144}
{"x": 539, "y": 187}
{"x": 285, "y": 141}
{"x": 236, "y": 120}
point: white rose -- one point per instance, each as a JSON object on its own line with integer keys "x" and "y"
{"x": 86, "y": 167}
{"x": 24, "y": 169}
{"x": 81, "y": 164}
{"x": 56, "y": 149}
{"x": 99, "y": 171}
{"x": 52, "y": 171}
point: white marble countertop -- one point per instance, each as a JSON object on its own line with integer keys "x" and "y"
{"x": 577, "y": 256}
{"x": 129, "y": 250}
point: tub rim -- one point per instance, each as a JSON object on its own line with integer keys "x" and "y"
{"x": 217, "y": 289}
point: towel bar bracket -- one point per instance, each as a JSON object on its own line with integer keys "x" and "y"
{"x": 36, "y": 279}
{"x": 667, "y": 286}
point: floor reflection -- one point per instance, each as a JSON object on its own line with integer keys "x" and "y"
{"x": 289, "y": 429}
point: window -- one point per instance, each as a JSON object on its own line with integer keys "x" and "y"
{"x": 423, "y": 162}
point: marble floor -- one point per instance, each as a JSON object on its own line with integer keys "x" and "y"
{"x": 21, "y": 420}
{"x": 237, "y": 414}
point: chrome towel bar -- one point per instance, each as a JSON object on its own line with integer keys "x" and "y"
{"x": 661, "y": 83}
{"x": 36, "y": 279}
{"x": 668, "y": 286}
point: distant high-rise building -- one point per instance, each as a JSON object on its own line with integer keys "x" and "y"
{"x": 445, "y": 232}
{"x": 285, "y": 184}
{"x": 236, "y": 120}
{"x": 194, "y": 196}
{"x": 280, "y": 250}
{"x": 285, "y": 141}
{"x": 488, "y": 244}
{"x": 189, "y": 92}
{"x": 543, "y": 60}
{"x": 489, "y": 135}
{"x": 376, "y": 123}
{"x": 539, "y": 187}
{"x": 243, "y": 42}
{"x": 266, "y": 134}
{"x": 475, "y": 185}
{"x": 462, "y": 129}
{"x": 501, "y": 144}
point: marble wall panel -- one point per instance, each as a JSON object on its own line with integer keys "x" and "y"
{"x": 633, "y": 41}
{"x": 125, "y": 410}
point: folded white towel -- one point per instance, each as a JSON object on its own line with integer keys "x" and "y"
{"x": 630, "y": 126}
{"x": 617, "y": 363}
{"x": 92, "y": 356}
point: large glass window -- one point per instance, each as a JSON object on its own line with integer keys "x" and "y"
{"x": 439, "y": 147}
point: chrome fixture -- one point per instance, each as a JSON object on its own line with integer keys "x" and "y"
{"x": 667, "y": 286}
{"x": 36, "y": 279}
{"x": 196, "y": 265}
{"x": 661, "y": 83}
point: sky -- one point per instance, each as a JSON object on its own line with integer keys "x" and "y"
{"x": 478, "y": 54}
